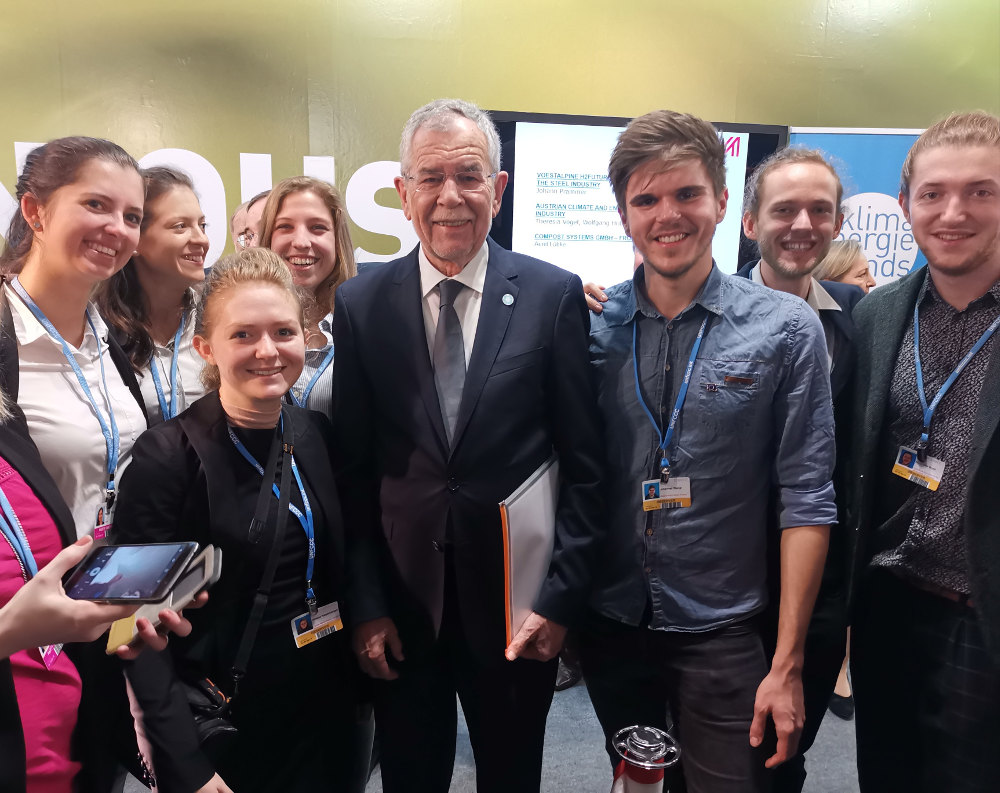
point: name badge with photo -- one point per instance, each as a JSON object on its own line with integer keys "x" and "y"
{"x": 674, "y": 493}
{"x": 307, "y": 628}
{"x": 926, "y": 474}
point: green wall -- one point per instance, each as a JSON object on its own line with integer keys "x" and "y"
{"x": 339, "y": 78}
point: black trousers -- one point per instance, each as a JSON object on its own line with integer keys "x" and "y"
{"x": 707, "y": 680}
{"x": 926, "y": 691}
{"x": 505, "y": 704}
{"x": 285, "y": 746}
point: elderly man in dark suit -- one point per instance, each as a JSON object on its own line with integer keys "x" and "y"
{"x": 460, "y": 368}
{"x": 792, "y": 209}
{"x": 926, "y": 636}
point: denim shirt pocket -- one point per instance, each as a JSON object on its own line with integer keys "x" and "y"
{"x": 729, "y": 411}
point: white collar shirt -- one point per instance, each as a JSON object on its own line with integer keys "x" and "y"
{"x": 467, "y": 304}
{"x": 321, "y": 396}
{"x": 61, "y": 420}
{"x": 189, "y": 366}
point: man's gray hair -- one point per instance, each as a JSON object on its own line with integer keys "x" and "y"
{"x": 439, "y": 115}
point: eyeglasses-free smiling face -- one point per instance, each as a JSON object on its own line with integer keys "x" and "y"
{"x": 671, "y": 216}
{"x": 954, "y": 207}
{"x": 173, "y": 244}
{"x": 797, "y": 219}
{"x": 304, "y": 237}
{"x": 255, "y": 338}
{"x": 90, "y": 227}
{"x": 454, "y": 208}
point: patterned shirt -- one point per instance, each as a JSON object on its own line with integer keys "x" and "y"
{"x": 321, "y": 396}
{"x": 925, "y": 537}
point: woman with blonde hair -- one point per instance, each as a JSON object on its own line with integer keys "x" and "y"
{"x": 846, "y": 263}
{"x": 241, "y": 457}
{"x": 305, "y": 223}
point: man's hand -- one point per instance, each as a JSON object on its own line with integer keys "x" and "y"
{"x": 779, "y": 696}
{"x": 370, "y": 640}
{"x": 156, "y": 638}
{"x": 595, "y": 296}
{"x": 539, "y": 639}
{"x": 40, "y": 613}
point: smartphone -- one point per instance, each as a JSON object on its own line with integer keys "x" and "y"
{"x": 203, "y": 571}
{"x": 130, "y": 573}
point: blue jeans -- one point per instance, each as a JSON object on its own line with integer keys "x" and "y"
{"x": 707, "y": 681}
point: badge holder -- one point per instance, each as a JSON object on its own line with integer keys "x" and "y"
{"x": 921, "y": 469}
{"x": 674, "y": 493}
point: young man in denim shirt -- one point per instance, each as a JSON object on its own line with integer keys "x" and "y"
{"x": 717, "y": 389}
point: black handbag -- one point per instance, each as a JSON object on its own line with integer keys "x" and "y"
{"x": 210, "y": 707}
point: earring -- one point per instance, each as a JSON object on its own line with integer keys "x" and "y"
{"x": 37, "y": 225}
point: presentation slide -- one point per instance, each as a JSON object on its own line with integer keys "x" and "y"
{"x": 565, "y": 210}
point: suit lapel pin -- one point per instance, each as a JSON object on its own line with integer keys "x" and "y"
{"x": 507, "y": 299}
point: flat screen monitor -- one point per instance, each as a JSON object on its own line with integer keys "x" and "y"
{"x": 559, "y": 205}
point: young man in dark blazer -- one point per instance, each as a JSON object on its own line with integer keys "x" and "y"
{"x": 792, "y": 209}
{"x": 925, "y": 652}
{"x": 460, "y": 368}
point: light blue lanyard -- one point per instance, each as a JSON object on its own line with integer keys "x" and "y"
{"x": 111, "y": 439}
{"x": 312, "y": 381}
{"x": 14, "y": 533}
{"x": 306, "y": 521}
{"x": 168, "y": 411}
{"x": 925, "y": 434}
{"x": 666, "y": 437}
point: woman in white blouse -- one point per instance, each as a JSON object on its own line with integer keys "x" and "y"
{"x": 149, "y": 303}
{"x": 80, "y": 208}
{"x": 305, "y": 223}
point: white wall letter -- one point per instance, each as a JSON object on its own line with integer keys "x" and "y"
{"x": 361, "y": 206}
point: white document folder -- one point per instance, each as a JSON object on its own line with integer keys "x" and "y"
{"x": 528, "y": 516}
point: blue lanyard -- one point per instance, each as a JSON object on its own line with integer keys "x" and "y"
{"x": 306, "y": 521}
{"x": 666, "y": 437}
{"x": 14, "y": 533}
{"x": 111, "y": 438}
{"x": 312, "y": 382}
{"x": 168, "y": 411}
{"x": 925, "y": 434}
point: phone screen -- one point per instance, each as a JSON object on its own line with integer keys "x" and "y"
{"x": 129, "y": 572}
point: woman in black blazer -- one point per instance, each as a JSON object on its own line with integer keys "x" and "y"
{"x": 192, "y": 478}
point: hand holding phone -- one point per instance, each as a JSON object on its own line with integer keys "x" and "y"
{"x": 40, "y": 613}
{"x": 203, "y": 571}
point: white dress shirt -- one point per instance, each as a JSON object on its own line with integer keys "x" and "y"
{"x": 189, "y": 366}
{"x": 321, "y": 396}
{"x": 61, "y": 420}
{"x": 467, "y": 304}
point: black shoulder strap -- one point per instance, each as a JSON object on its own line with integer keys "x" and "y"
{"x": 124, "y": 366}
{"x": 9, "y": 375}
{"x": 283, "y": 450}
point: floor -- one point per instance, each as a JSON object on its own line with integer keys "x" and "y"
{"x": 575, "y": 759}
